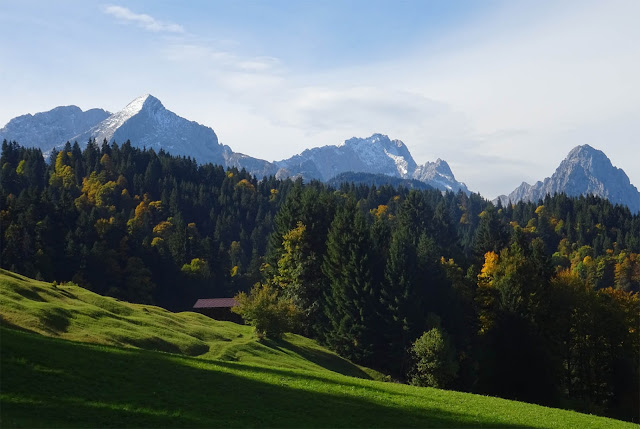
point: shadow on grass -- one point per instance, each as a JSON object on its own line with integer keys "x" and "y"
{"x": 152, "y": 343}
{"x": 29, "y": 294}
{"x": 321, "y": 358}
{"x": 108, "y": 387}
{"x": 55, "y": 319}
{"x": 308, "y": 375}
{"x": 66, "y": 293}
{"x": 46, "y": 414}
{"x": 5, "y": 323}
{"x": 12, "y": 275}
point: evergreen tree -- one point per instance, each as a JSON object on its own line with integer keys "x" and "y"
{"x": 350, "y": 300}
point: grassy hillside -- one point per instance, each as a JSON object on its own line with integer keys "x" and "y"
{"x": 218, "y": 376}
{"x": 73, "y": 313}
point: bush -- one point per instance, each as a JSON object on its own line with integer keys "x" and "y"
{"x": 269, "y": 313}
{"x": 435, "y": 360}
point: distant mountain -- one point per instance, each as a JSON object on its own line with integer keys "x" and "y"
{"x": 439, "y": 175}
{"x": 377, "y": 180}
{"x": 375, "y": 155}
{"x": 144, "y": 121}
{"x": 147, "y": 123}
{"x": 48, "y": 129}
{"x": 585, "y": 171}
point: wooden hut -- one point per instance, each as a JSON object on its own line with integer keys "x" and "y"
{"x": 218, "y": 308}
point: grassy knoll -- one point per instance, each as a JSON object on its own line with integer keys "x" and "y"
{"x": 48, "y": 381}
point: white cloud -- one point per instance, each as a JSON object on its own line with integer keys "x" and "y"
{"x": 142, "y": 20}
{"x": 212, "y": 59}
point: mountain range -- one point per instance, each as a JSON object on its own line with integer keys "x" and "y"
{"x": 147, "y": 123}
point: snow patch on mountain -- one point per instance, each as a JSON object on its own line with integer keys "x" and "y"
{"x": 401, "y": 163}
{"x": 110, "y": 125}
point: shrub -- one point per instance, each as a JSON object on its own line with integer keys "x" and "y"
{"x": 435, "y": 360}
{"x": 269, "y": 313}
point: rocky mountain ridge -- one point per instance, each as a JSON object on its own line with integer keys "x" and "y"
{"x": 377, "y": 154}
{"x": 46, "y": 129}
{"x": 585, "y": 171}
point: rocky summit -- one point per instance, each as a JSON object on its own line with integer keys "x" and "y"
{"x": 585, "y": 171}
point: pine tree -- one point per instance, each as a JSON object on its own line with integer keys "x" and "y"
{"x": 398, "y": 299}
{"x": 351, "y": 297}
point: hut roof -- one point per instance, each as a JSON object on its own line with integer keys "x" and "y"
{"x": 215, "y": 303}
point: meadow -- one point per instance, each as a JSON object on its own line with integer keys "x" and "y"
{"x": 71, "y": 358}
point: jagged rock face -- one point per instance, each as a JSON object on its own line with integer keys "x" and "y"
{"x": 439, "y": 175}
{"x": 585, "y": 171}
{"x": 375, "y": 155}
{"x": 48, "y": 129}
{"x": 146, "y": 123}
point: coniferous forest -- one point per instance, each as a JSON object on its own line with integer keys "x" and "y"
{"x": 536, "y": 302}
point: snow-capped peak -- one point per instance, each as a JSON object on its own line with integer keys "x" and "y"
{"x": 139, "y": 103}
{"x": 108, "y": 127}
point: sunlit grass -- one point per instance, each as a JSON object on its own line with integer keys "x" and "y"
{"x": 73, "y": 313}
{"x": 48, "y": 381}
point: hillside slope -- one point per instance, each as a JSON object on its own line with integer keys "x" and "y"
{"x": 234, "y": 380}
{"x": 73, "y": 313}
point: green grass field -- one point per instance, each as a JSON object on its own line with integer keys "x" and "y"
{"x": 151, "y": 368}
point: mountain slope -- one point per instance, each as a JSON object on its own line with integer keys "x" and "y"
{"x": 48, "y": 129}
{"x": 146, "y": 123}
{"x": 585, "y": 171}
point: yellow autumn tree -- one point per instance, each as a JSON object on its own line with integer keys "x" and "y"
{"x": 245, "y": 184}
{"x": 163, "y": 229}
{"x": 63, "y": 175}
{"x": 380, "y": 211}
{"x": 146, "y": 211}
{"x": 197, "y": 268}
{"x": 486, "y": 295}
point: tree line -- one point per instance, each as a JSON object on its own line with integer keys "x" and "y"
{"x": 531, "y": 301}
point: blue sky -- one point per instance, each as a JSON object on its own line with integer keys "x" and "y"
{"x": 502, "y": 90}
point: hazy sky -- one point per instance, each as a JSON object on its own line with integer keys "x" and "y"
{"x": 502, "y": 90}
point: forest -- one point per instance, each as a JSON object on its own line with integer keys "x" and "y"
{"x": 536, "y": 302}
